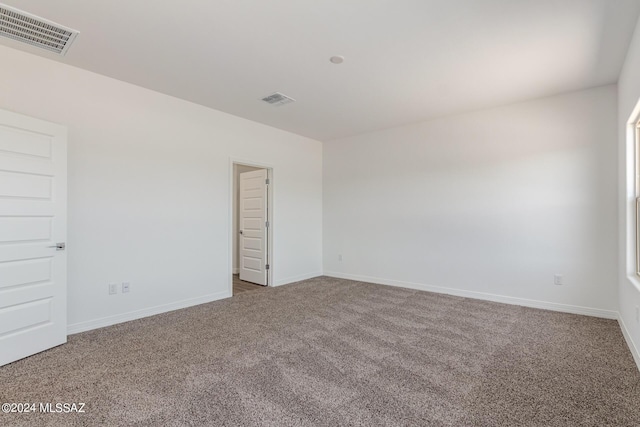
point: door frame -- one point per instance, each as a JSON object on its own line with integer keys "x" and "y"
{"x": 270, "y": 208}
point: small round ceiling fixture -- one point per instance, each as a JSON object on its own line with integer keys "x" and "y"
{"x": 337, "y": 59}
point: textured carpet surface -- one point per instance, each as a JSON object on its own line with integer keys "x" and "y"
{"x": 336, "y": 352}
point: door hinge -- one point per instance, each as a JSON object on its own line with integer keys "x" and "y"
{"x": 267, "y": 266}
{"x": 266, "y": 224}
{"x": 267, "y": 181}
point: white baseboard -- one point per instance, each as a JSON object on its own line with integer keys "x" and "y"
{"x": 236, "y": 271}
{"x": 293, "y": 279}
{"x": 138, "y": 314}
{"x": 632, "y": 346}
{"x": 565, "y": 308}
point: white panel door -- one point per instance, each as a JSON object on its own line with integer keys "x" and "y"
{"x": 253, "y": 231}
{"x": 33, "y": 209}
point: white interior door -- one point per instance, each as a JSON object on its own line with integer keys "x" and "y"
{"x": 252, "y": 227}
{"x": 33, "y": 204}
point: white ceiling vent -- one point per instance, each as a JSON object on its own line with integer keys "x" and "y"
{"x": 278, "y": 99}
{"x": 24, "y": 27}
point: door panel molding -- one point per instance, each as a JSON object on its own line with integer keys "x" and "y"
{"x": 33, "y": 209}
{"x": 270, "y": 230}
{"x": 253, "y": 210}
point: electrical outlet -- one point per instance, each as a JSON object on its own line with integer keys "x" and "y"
{"x": 557, "y": 279}
{"x": 339, "y": 257}
{"x": 113, "y": 288}
{"x": 126, "y": 286}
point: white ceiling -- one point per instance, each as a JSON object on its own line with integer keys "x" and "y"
{"x": 406, "y": 60}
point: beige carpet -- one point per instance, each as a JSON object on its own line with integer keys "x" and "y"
{"x": 335, "y": 352}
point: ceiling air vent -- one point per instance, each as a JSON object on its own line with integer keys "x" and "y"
{"x": 278, "y": 99}
{"x": 26, "y": 28}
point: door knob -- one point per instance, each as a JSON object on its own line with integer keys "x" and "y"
{"x": 59, "y": 246}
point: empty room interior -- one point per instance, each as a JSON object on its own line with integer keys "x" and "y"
{"x": 298, "y": 213}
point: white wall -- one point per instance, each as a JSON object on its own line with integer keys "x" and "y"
{"x": 237, "y": 170}
{"x": 149, "y": 190}
{"x": 629, "y": 285}
{"x": 489, "y": 204}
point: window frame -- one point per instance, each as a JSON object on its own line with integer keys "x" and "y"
{"x": 637, "y": 194}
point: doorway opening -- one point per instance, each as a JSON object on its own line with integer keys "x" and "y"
{"x": 251, "y": 227}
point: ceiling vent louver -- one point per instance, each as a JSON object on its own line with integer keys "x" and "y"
{"x": 278, "y": 99}
{"x": 26, "y": 28}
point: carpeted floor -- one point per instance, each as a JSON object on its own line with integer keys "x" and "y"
{"x": 334, "y": 352}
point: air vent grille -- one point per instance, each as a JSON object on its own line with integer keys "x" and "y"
{"x": 278, "y": 99}
{"x": 24, "y": 27}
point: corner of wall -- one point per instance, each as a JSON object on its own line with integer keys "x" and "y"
{"x": 627, "y": 337}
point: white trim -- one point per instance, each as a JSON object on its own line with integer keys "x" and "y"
{"x": 627, "y": 337}
{"x": 271, "y": 203}
{"x": 630, "y": 193}
{"x": 145, "y": 312}
{"x": 236, "y": 271}
{"x": 293, "y": 279}
{"x": 565, "y": 308}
